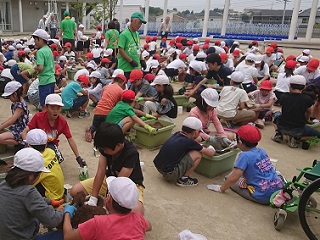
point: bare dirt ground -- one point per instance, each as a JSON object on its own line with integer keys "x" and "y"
{"x": 172, "y": 209}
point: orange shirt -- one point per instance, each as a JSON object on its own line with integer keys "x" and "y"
{"x": 110, "y": 95}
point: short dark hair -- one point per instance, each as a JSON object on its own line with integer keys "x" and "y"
{"x": 111, "y": 25}
{"x": 214, "y": 58}
{"x": 39, "y": 148}
{"x": 297, "y": 86}
{"x": 108, "y": 135}
{"x": 18, "y": 177}
{"x": 118, "y": 208}
{"x": 187, "y": 129}
{"x": 201, "y": 104}
{"x": 127, "y": 100}
{"x": 248, "y": 144}
{"x": 117, "y": 79}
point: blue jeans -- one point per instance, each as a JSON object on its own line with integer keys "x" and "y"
{"x": 54, "y": 235}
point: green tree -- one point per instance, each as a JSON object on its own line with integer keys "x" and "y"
{"x": 245, "y": 18}
{"x": 154, "y": 11}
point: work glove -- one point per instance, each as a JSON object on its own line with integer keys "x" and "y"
{"x": 81, "y": 162}
{"x": 69, "y": 209}
{"x": 93, "y": 201}
{"x": 133, "y": 63}
{"x": 143, "y": 118}
{"x": 212, "y": 148}
{"x": 226, "y": 142}
{"x": 143, "y": 64}
{"x": 150, "y": 129}
{"x": 139, "y": 99}
{"x": 56, "y": 203}
{"x": 149, "y": 116}
{"x": 214, "y": 139}
{"x": 214, "y": 187}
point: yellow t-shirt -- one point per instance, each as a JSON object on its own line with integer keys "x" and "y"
{"x": 52, "y": 182}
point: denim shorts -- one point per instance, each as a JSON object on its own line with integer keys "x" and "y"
{"x": 44, "y": 91}
{"x": 78, "y": 102}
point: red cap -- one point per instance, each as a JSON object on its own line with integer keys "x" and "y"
{"x": 291, "y": 64}
{"x": 223, "y": 56}
{"x": 205, "y": 46}
{"x": 98, "y": 27}
{"x": 105, "y": 60}
{"x": 313, "y": 65}
{"x": 236, "y": 53}
{"x": 171, "y": 42}
{"x": 156, "y": 56}
{"x": 149, "y": 77}
{"x": 154, "y": 38}
{"x": 273, "y": 45}
{"x": 270, "y": 50}
{"x": 226, "y": 49}
{"x": 164, "y": 39}
{"x": 179, "y": 45}
{"x": 290, "y": 57}
{"x": 84, "y": 79}
{"x": 266, "y": 85}
{"x": 53, "y": 45}
{"x": 249, "y": 133}
{"x": 148, "y": 38}
{"x": 196, "y": 48}
{"x": 89, "y": 55}
{"x": 135, "y": 74}
{"x": 280, "y": 50}
{"x": 20, "y": 53}
{"x": 68, "y": 44}
{"x": 128, "y": 94}
{"x": 207, "y": 40}
{"x": 56, "y": 37}
{"x": 179, "y": 39}
{"x": 255, "y": 42}
{"x": 217, "y": 43}
{"x": 146, "y": 46}
{"x": 121, "y": 76}
{"x": 182, "y": 56}
{"x": 190, "y": 42}
{"x": 57, "y": 69}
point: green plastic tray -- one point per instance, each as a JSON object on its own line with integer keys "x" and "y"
{"x": 180, "y": 99}
{"x": 315, "y": 126}
{"x": 144, "y": 138}
{"x": 71, "y": 73}
{"x": 213, "y": 166}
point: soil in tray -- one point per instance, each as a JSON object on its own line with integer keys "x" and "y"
{"x": 5, "y": 168}
{"x": 157, "y": 125}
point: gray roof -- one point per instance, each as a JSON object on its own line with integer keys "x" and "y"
{"x": 306, "y": 13}
{"x": 270, "y": 12}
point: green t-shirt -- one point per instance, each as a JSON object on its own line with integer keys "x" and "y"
{"x": 68, "y": 26}
{"x": 26, "y": 66}
{"x": 130, "y": 43}
{"x": 112, "y": 35}
{"x": 119, "y": 112}
{"x": 45, "y": 58}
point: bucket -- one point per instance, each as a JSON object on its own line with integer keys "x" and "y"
{"x": 83, "y": 173}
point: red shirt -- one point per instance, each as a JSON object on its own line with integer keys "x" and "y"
{"x": 40, "y": 120}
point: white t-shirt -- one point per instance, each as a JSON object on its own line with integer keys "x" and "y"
{"x": 96, "y": 52}
{"x": 175, "y": 64}
{"x": 98, "y": 35}
{"x": 187, "y": 51}
{"x": 308, "y": 75}
{"x": 283, "y": 83}
{"x": 219, "y": 49}
{"x": 253, "y": 50}
{"x": 34, "y": 87}
{"x": 230, "y": 97}
{"x": 230, "y": 64}
{"x": 249, "y": 72}
{"x": 152, "y": 45}
{"x": 69, "y": 54}
{"x": 80, "y": 72}
{"x": 267, "y": 59}
{"x": 191, "y": 57}
{"x": 264, "y": 71}
{"x": 6, "y": 73}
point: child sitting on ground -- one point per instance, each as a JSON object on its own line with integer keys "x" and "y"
{"x": 123, "y": 196}
{"x": 22, "y": 207}
{"x": 71, "y": 99}
{"x": 264, "y": 99}
{"x": 296, "y": 112}
{"x": 253, "y": 176}
{"x": 95, "y": 89}
{"x": 125, "y": 116}
{"x": 181, "y": 154}
{"x": 48, "y": 184}
{"x": 20, "y": 115}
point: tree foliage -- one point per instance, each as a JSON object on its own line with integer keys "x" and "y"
{"x": 154, "y": 11}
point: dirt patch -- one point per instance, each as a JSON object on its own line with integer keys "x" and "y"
{"x": 157, "y": 125}
{"x": 4, "y": 168}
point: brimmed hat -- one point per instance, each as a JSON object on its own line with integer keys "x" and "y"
{"x": 154, "y": 64}
{"x": 313, "y": 64}
{"x": 135, "y": 74}
{"x": 40, "y": 33}
{"x": 182, "y": 56}
{"x": 193, "y": 123}
{"x": 139, "y": 16}
{"x": 108, "y": 52}
{"x": 196, "y": 65}
{"x": 29, "y": 159}
{"x": 250, "y": 57}
{"x": 95, "y": 74}
{"x": 298, "y": 79}
{"x": 128, "y": 94}
{"x": 145, "y": 53}
{"x": 36, "y": 137}
{"x": 291, "y": 64}
{"x": 210, "y": 96}
{"x": 117, "y": 71}
{"x": 121, "y": 76}
{"x": 10, "y": 63}
{"x": 223, "y": 56}
{"x": 270, "y": 50}
{"x": 124, "y": 191}
{"x": 84, "y": 79}
{"x": 196, "y": 48}
{"x": 89, "y": 55}
{"x": 236, "y": 53}
{"x": 249, "y": 133}
{"x": 11, "y": 48}
{"x": 10, "y": 88}
{"x": 266, "y": 85}
{"x": 306, "y": 51}
{"x": 57, "y": 69}
{"x": 160, "y": 80}
{"x": 290, "y": 57}
{"x": 68, "y": 44}
{"x": 62, "y": 58}
{"x": 54, "y": 99}
{"x": 303, "y": 59}
{"x": 105, "y": 60}
{"x": 237, "y": 76}
{"x": 149, "y": 77}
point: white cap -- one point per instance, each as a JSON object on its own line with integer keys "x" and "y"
{"x": 196, "y": 65}
{"x": 29, "y": 159}
{"x": 258, "y": 59}
{"x": 27, "y": 50}
{"x": 236, "y": 43}
{"x": 251, "y": 57}
{"x": 306, "y": 51}
{"x": 45, "y": 16}
{"x": 96, "y": 45}
{"x": 19, "y": 46}
{"x": 108, "y": 52}
{"x": 95, "y": 74}
{"x": 10, "y": 88}
{"x": 161, "y": 80}
{"x": 10, "y": 63}
{"x": 298, "y": 79}
{"x": 25, "y": 39}
{"x": 62, "y": 58}
{"x": 11, "y": 48}
{"x": 154, "y": 63}
{"x": 195, "y": 40}
{"x": 41, "y": 34}
{"x": 36, "y": 137}
{"x": 116, "y": 72}
{"x": 124, "y": 191}
{"x": 304, "y": 59}
{"x": 193, "y": 123}
{"x": 210, "y": 96}
{"x": 201, "y": 55}
{"x": 223, "y": 44}
{"x": 90, "y": 65}
{"x": 171, "y": 50}
{"x": 237, "y": 76}
{"x": 145, "y": 53}
{"x": 54, "y": 99}
{"x": 81, "y": 26}
{"x": 188, "y": 235}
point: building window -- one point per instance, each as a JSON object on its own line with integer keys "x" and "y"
{"x": 5, "y": 16}
{"x": 305, "y": 20}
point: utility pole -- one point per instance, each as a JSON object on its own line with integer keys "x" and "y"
{"x": 284, "y": 9}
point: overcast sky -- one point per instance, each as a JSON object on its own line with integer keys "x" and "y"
{"x": 198, "y": 5}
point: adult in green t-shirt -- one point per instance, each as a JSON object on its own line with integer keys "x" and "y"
{"x": 45, "y": 65}
{"x": 111, "y": 38}
{"x": 129, "y": 45}
{"x": 68, "y": 30}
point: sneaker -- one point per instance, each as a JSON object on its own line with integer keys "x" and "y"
{"x": 69, "y": 114}
{"x": 277, "y": 137}
{"x": 187, "y": 182}
{"x": 93, "y": 104}
{"x": 259, "y": 123}
{"x": 230, "y": 124}
{"x": 292, "y": 142}
{"x": 84, "y": 114}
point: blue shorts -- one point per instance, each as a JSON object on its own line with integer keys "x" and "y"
{"x": 44, "y": 91}
{"x": 15, "y": 73}
{"x": 78, "y": 102}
